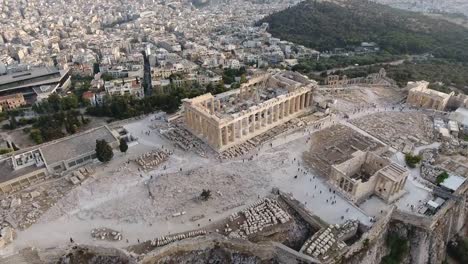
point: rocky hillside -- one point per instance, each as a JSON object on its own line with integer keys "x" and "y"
{"x": 325, "y": 25}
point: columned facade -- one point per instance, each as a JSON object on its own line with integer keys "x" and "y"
{"x": 222, "y": 134}
{"x": 206, "y": 118}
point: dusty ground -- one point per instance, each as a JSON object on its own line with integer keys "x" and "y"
{"x": 117, "y": 196}
{"x": 352, "y": 98}
{"x": 141, "y": 205}
{"x": 398, "y": 128}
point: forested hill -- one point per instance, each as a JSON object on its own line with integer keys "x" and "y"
{"x": 325, "y": 25}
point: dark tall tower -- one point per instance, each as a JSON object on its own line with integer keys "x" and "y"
{"x": 147, "y": 86}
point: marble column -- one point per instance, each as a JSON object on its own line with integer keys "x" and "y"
{"x": 251, "y": 122}
{"x": 233, "y": 132}
{"x": 196, "y": 123}
{"x": 240, "y": 128}
{"x": 219, "y": 136}
{"x": 224, "y": 133}
{"x": 212, "y": 106}
{"x": 301, "y": 102}
{"x": 294, "y": 105}
{"x": 298, "y": 103}
{"x": 281, "y": 110}
{"x": 270, "y": 115}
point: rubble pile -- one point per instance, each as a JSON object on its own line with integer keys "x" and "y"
{"x": 7, "y": 234}
{"x": 164, "y": 240}
{"x": 348, "y": 229}
{"x": 262, "y": 214}
{"x": 329, "y": 240}
{"x": 184, "y": 139}
{"x": 238, "y": 150}
{"x": 401, "y": 130}
{"x": 24, "y": 208}
{"x": 80, "y": 175}
{"x": 244, "y": 148}
{"x": 289, "y": 126}
{"x": 104, "y": 233}
{"x": 428, "y": 170}
{"x": 152, "y": 159}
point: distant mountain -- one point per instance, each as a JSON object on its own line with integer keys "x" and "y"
{"x": 326, "y": 25}
{"x": 437, "y": 6}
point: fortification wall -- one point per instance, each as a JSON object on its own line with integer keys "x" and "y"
{"x": 371, "y": 247}
{"x": 266, "y": 251}
{"x": 297, "y": 206}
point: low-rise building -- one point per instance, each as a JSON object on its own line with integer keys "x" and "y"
{"x": 9, "y": 102}
{"x": 24, "y": 82}
{"x": 36, "y": 163}
{"x": 131, "y": 87}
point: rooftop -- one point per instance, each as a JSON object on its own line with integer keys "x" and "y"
{"x": 256, "y": 91}
{"x": 76, "y": 145}
{"x": 26, "y": 75}
{"x": 7, "y": 172}
{"x": 394, "y": 171}
{"x": 460, "y": 115}
{"x": 453, "y": 182}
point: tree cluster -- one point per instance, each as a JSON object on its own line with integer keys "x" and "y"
{"x": 229, "y": 75}
{"x": 308, "y": 65}
{"x": 431, "y": 70}
{"x": 104, "y": 151}
{"x": 412, "y": 160}
{"x": 56, "y": 125}
{"x": 122, "y": 107}
{"x": 56, "y": 103}
{"x": 326, "y": 25}
{"x": 458, "y": 249}
{"x": 398, "y": 249}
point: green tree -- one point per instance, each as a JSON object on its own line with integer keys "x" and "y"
{"x": 123, "y": 145}
{"x": 55, "y": 102}
{"x": 13, "y": 122}
{"x": 205, "y": 195}
{"x": 411, "y": 160}
{"x": 13, "y": 145}
{"x": 36, "y": 136}
{"x": 69, "y": 102}
{"x": 96, "y": 68}
{"x": 442, "y": 177}
{"x": 104, "y": 151}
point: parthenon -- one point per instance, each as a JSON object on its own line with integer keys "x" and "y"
{"x": 233, "y": 117}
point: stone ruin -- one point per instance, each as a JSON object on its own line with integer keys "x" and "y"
{"x": 80, "y": 175}
{"x": 7, "y": 235}
{"x": 164, "y": 240}
{"x": 104, "y": 233}
{"x": 429, "y": 170}
{"x": 152, "y": 159}
{"x": 262, "y": 214}
{"x": 183, "y": 139}
{"x": 329, "y": 241}
{"x": 238, "y": 150}
{"x": 247, "y": 146}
